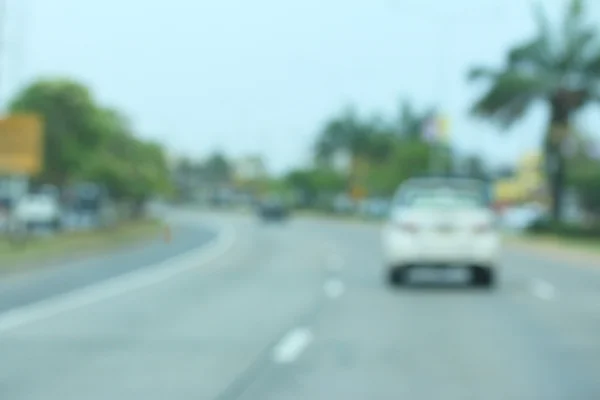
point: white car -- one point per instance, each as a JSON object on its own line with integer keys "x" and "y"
{"x": 38, "y": 210}
{"x": 441, "y": 227}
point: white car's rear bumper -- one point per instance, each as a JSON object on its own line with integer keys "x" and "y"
{"x": 400, "y": 249}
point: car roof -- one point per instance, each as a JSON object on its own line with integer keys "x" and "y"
{"x": 448, "y": 175}
{"x": 444, "y": 180}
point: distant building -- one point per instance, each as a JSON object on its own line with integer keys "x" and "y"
{"x": 342, "y": 162}
{"x": 249, "y": 168}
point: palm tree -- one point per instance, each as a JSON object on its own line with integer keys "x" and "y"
{"x": 410, "y": 122}
{"x": 560, "y": 69}
{"x": 344, "y": 132}
{"x": 366, "y": 142}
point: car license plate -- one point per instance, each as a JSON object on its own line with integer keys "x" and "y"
{"x": 440, "y": 274}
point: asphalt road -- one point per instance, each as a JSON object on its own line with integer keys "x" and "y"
{"x": 299, "y": 311}
{"x": 48, "y": 279}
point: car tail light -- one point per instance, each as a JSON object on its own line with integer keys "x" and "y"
{"x": 408, "y": 227}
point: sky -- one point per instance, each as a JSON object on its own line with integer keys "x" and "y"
{"x": 262, "y": 76}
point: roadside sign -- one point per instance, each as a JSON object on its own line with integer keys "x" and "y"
{"x": 358, "y": 192}
{"x": 443, "y": 127}
{"x": 21, "y": 144}
{"x": 436, "y": 129}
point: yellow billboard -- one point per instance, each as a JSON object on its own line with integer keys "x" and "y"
{"x": 443, "y": 127}
{"x": 21, "y": 144}
{"x": 509, "y": 190}
{"x": 530, "y": 162}
{"x": 358, "y": 192}
{"x": 527, "y": 183}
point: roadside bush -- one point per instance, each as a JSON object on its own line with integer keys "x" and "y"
{"x": 544, "y": 227}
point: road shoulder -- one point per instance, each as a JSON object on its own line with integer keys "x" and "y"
{"x": 76, "y": 245}
{"x": 570, "y": 251}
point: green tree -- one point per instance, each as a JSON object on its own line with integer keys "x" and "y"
{"x": 410, "y": 122}
{"x": 560, "y": 69}
{"x": 149, "y": 174}
{"x": 360, "y": 138}
{"x": 313, "y": 183}
{"x": 185, "y": 173}
{"x": 365, "y": 141}
{"x": 408, "y": 157}
{"x": 130, "y": 168}
{"x": 345, "y": 132}
{"x": 369, "y": 139}
{"x": 217, "y": 169}
{"x": 86, "y": 142}
{"x": 69, "y": 116}
{"x": 584, "y": 174}
{"x": 584, "y": 177}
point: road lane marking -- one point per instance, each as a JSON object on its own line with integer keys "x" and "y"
{"x": 119, "y": 285}
{"x": 334, "y": 288}
{"x": 336, "y": 262}
{"x": 542, "y": 289}
{"x": 292, "y": 345}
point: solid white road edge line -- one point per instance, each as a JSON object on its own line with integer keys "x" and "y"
{"x": 292, "y": 345}
{"x": 119, "y": 285}
{"x": 334, "y": 288}
{"x": 542, "y": 289}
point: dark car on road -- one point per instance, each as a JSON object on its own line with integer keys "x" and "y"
{"x": 273, "y": 209}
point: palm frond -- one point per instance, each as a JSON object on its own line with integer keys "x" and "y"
{"x": 536, "y": 53}
{"x": 544, "y": 29}
{"x": 578, "y": 37}
{"x": 510, "y": 96}
{"x": 578, "y": 51}
{"x": 591, "y": 64}
{"x": 478, "y": 73}
{"x": 573, "y": 16}
{"x": 533, "y": 55}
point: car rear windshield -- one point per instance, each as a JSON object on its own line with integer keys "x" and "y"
{"x": 443, "y": 195}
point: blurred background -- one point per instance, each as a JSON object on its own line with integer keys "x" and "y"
{"x": 138, "y": 139}
{"x": 330, "y": 107}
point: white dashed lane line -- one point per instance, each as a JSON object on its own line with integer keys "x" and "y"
{"x": 543, "y": 290}
{"x": 292, "y": 345}
{"x": 334, "y": 288}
